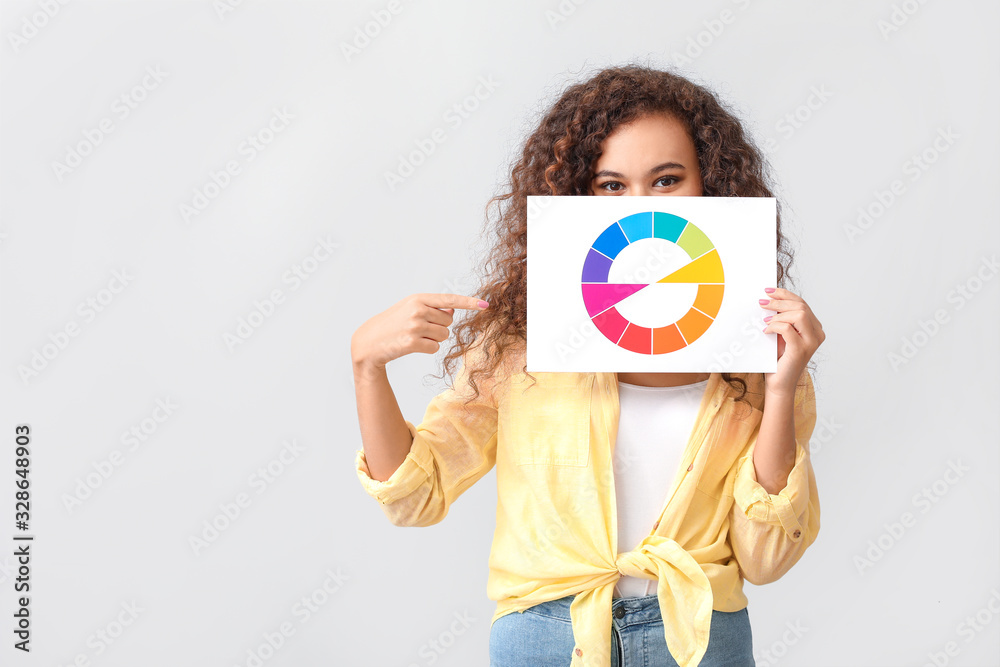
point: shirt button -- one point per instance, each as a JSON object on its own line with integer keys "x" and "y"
{"x": 579, "y": 652}
{"x": 619, "y": 612}
{"x": 796, "y": 533}
{"x": 655, "y": 525}
{"x": 690, "y": 467}
{"x": 608, "y": 389}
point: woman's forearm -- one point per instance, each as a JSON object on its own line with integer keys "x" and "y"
{"x": 385, "y": 438}
{"x": 774, "y": 453}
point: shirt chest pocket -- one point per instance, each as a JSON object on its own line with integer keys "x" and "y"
{"x": 548, "y": 422}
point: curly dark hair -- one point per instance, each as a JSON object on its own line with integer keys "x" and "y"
{"x": 558, "y": 159}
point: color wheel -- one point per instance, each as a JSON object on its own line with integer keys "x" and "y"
{"x": 602, "y": 298}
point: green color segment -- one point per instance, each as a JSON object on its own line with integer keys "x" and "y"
{"x": 694, "y": 242}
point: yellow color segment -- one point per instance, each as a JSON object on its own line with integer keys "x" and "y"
{"x": 705, "y": 269}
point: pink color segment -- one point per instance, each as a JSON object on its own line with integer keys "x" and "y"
{"x": 598, "y": 297}
{"x": 611, "y": 324}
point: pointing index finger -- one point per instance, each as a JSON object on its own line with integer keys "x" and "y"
{"x": 444, "y": 301}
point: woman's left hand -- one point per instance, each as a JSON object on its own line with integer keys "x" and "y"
{"x": 799, "y": 334}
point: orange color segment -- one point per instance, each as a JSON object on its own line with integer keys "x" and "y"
{"x": 694, "y": 324}
{"x": 709, "y": 299}
{"x": 667, "y": 339}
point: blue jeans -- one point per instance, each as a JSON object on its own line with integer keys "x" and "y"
{"x": 542, "y": 636}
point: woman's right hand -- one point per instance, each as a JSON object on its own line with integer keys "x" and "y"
{"x": 417, "y": 323}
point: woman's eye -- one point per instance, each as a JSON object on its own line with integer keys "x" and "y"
{"x": 672, "y": 179}
{"x": 607, "y": 185}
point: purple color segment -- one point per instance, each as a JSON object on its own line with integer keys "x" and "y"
{"x": 596, "y": 267}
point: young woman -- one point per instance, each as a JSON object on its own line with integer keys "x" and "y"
{"x": 631, "y": 506}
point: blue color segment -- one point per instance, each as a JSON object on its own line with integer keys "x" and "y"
{"x": 596, "y": 268}
{"x": 668, "y": 226}
{"x": 611, "y": 241}
{"x": 637, "y": 226}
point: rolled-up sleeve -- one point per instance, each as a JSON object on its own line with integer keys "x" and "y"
{"x": 770, "y": 531}
{"x": 453, "y": 446}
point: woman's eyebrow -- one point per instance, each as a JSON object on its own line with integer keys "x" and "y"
{"x": 657, "y": 168}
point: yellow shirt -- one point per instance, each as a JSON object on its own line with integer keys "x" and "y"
{"x": 556, "y": 532}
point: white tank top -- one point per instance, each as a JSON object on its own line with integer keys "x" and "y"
{"x": 654, "y": 426}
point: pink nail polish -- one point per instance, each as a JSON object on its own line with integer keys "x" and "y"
{"x": 483, "y": 304}
{"x": 768, "y": 289}
{"x": 764, "y": 302}
{"x": 768, "y": 318}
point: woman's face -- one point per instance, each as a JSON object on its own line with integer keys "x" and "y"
{"x": 652, "y": 155}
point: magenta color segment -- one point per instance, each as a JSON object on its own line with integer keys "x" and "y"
{"x": 601, "y": 296}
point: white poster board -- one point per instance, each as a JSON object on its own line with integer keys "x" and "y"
{"x": 650, "y": 284}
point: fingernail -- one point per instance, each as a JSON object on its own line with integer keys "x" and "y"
{"x": 768, "y": 289}
{"x": 764, "y": 302}
{"x": 483, "y": 304}
{"x": 768, "y": 318}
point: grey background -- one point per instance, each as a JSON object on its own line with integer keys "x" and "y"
{"x": 885, "y": 433}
